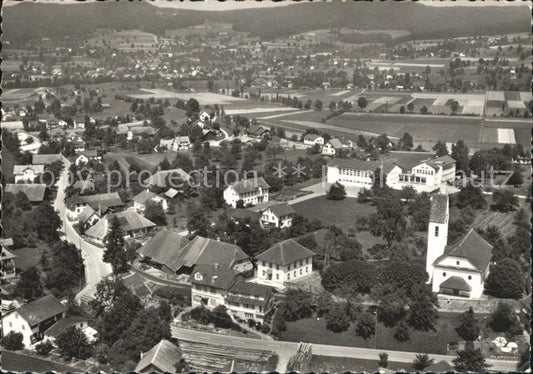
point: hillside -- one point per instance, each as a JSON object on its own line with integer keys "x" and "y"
{"x": 31, "y": 20}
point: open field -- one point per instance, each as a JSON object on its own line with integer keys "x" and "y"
{"x": 341, "y": 213}
{"x": 20, "y": 95}
{"x": 125, "y": 40}
{"x": 314, "y": 330}
{"x": 204, "y": 98}
{"x": 324, "y": 364}
{"x": 18, "y": 362}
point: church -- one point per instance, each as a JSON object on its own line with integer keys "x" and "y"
{"x": 458, "y": 269}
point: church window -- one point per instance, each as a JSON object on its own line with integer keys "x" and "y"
{"x": 469, "y": 277}
{"x": 457, "y": 262}
{"x": 436, "y": 230}
{"x": 444, "y": 274}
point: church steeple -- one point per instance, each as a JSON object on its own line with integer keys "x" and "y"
{"x": 437, "y": 230}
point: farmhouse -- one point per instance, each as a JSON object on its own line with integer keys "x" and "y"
{"x": 256, "y": 131}
{"x": 213, "y": 285}
{"x": 334, "y": 146}
{"x": 459, "y": 269}
{"x": 161, "y": 250}
{"x": 161, "y": 358}
{"x": 250, "y": 191}
{"x": 312, "y": 139}
{"x": 66, "y": 323}
{"x": 7, "y": 263}
{"x": 132, "y": 224}
{"x": 33, "y": 319}
{"x": 181, "y": 143}
{"x": 27, "y": 173}
{"x": 279, "y": 215}
{"x": 86, "y": 156}
{"x": 140, "y": 200}
{"x": 140, "y": 132}
{"x": 104, "y": 201}
{"x": 88, "y": 216}
{"x": 34, "y": 192}
{"x": 285, "y": 261}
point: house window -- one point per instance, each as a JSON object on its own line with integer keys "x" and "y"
{"x": 290, "y": 266}
{"x": 277, "y": 276}
{"x": 248, "y": 315}
{"x": 436, "y": 231}
{"x": 307, "y": 269}
{"x": 444, "y": 274}
{"x": 264, "y": 273}
{"x": 277, "y": 267}
{"x": 294, "y": 274}
{"x": 263, "y": 263}
{"x": 288, "y": 276}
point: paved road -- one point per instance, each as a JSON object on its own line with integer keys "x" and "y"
{"x": 95, "y": 267}
{"x": 287, "y": 349}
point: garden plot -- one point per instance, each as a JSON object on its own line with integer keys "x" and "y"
{"x": 512, "y": 96}
{"x": 526, "y": 96}
{"x": 495, "y": 96}
{"x": 472, "y": 106}
{"x": 515, "y": 104}
{"x": 506, "y": 136}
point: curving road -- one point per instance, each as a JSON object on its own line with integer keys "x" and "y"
{"x": 286, "y": 349}
{"x": 95, "y": 267}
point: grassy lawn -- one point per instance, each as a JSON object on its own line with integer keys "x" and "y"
{"x": 314, "y": 331}
{"x": 13, "y": 361}
{"x": 325, "y": 364}
{"x": 28, "y": 257}
{"x": 341, "y": 213}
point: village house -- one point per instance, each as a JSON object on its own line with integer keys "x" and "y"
{"x": 166, "y": 144}
{"x": 7, "y": 260}
{"x": 27, "y": 173}
{"x": 181, "y": 143}
{"x": 173, "y": 178}
{"x": 256, "y": 131}
{"x": 46, "y": 159}
{"x": 88, "y": 217}
{"x": 79, "y": 322}
{"x": 335, "y": 146}
{"x": 141, "y": 200}
{"x": 133, "y": 225}
{"x": 28, "y": 143}
{"x": 33, "y": 319}
{"x": 279, "y": 215}
{"x": 285, "y": 261}
{"x": 250, "y": 191}
{"x": 312, "y": 139}
{"x": 140, "y": 132}
{"x": 161, "y": 358}
{"x": 98, "y": 202}
{"x": 86, "y": 156}
{"x": 213, "y": 285}
{"x": 459, "y": 269}
{"x": 34, "y": 192}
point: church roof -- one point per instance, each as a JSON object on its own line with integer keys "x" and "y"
{"x": 456, "y": 283}
{"x": 472, "y": 247}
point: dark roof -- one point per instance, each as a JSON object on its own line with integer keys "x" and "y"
{"x": 129, "y": 221}
{"x": 89, "y": 153}
{"x": 285, "y": 252}
{"x": 218, "y": 276}
{"x": 161, "y": 178}
{"x": 64, "y": 324}
{"x": 143, "y": 196}
{"x": 109, "y": 200}
{"x": 281, "y": 210}
{"x": 406, "y": 160}
{"x": 472, "y": 247}
{"x": 249, "y": 185}
{"x": 456, "y": 283}
{"x": 162, "y": 356}
{"x": 311, "y": 136}
{"x": 250, "y": 289}
{"x": 257, "y": 130}
{"x": 439, "y": 208}
{"x": 41, "y": 309}
{"x": 85, "y": 214}
{"x": 46, "y": 159}
{"x": 443, "y": 160}
{"x": 34, "y": 192}
{"x": 245, "y": 300}
{"x": 6, "y": 255}
{"x": 164, "y": 247}
{"x": 202, "y": 250}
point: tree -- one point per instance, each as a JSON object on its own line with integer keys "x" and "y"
{"x": 468, "y": 328}
{"x": 197, "y": 221}
{"x": 516, "y": 178}
{"x": 421, "y": 362}
{"x": 67, "y": 268}
{"x": 154, "y": 212}
{"x": 504, "y": 201}
{"x": 46, "y": 222}
{"x": 460, "y": 154}
{"x": 470, "y": 359}
{"x": 470, "y": 196}
{"x": 273, "y": 150}
{"x": 115, "y": 253}
{"x": 389, "y": 221}
{"x": 336, "y": 191}
{"x": 504, "y": 319}
{"x": 73, "y": 343}
{"x": 402, "y": 109}
{"x": 350, "y": 276}
{"x": 192, "y": 106}
{"x": 411, "y": 106}
{"x": 454, "y": 106}
{"x": 332, "y": 106}
{"x": 423, "y": 308}
{"x": 383, "y": 360}
{"x": 505, "y": 280}
{"x": 298, "y": 304}
{"x": 362, "y": 102}
{"x": 318, "y": 105}
{"x": 337, "y": 320}
{"x": 401, "y": 332}
{"x": 13, "y": 341}
{"x": 221, "y": 318}
{"x": 44, "y": 347}
{"x": 406, "y": 142}
{"x": 382, "y": 142}
{"x": 440, "y": 149}
{"x": 366, "y": 325}
{"x": 29, "y": 285}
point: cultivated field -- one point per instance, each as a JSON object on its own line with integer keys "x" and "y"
{"x": 204, "y": 98}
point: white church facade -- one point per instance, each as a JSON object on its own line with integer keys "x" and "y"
{"x": 459, "y": 269}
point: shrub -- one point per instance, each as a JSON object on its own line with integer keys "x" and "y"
{"x": 265, "y": 329}
{"x": 44, "y": 348}
{"x": 13, "y": 341}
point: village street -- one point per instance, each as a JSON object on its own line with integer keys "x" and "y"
{"x": 95, "y": 267}
{"x": 286, "y": 349}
